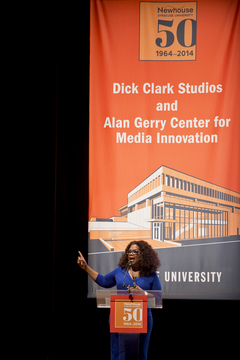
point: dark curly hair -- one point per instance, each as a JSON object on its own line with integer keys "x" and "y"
{"x": 149, "y": 258}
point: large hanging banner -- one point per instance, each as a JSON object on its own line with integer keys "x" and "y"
{"x": 164, "y": 162}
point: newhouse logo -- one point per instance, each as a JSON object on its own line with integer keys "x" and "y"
{"x": 168, "y": 32}
{"x": 173, "y": 10}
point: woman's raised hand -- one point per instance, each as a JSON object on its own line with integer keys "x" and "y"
{"x": 83, "y": 264}
{"x": 81, "y": 261}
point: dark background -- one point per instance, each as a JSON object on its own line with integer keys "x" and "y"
{"x": 67, "y": 325}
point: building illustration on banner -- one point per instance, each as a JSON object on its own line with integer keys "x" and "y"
{"x": 168, "y": 209}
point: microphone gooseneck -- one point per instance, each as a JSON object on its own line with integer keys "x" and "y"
{"x": 129, "y": 286}
{"x": 133, "y": 277}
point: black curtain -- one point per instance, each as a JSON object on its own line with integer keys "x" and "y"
{"x": 69, "y": 326}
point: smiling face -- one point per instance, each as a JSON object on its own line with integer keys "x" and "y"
{"x": 134, "y": 255}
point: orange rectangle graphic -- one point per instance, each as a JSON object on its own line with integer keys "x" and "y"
{"x": 168, "y": 31}
{"x": 128, "y": 314}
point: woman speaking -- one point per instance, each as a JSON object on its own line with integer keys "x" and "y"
{"x": 136, "y": 270}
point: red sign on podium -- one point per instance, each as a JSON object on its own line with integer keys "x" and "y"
{"x": 128, "y": 313}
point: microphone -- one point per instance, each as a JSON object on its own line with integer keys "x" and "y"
{"x": 123, "y": 285}
{"x": 130, "y": 266}
{"x": 129, "y": 286}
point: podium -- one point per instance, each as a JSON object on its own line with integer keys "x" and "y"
{"x": 129, "y": 317}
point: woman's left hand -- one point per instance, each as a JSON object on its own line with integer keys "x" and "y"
{"x": 145, "y": 293}
{"x": 136, "y": 288}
